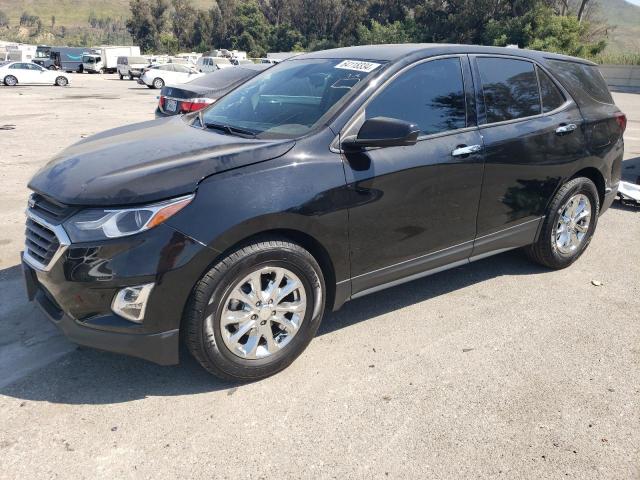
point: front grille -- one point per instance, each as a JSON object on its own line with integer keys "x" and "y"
{"x": 41, "y": 242}
{"x": 49, "y": 209}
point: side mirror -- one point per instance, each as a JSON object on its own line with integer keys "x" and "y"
{"x": 383, "y": 132}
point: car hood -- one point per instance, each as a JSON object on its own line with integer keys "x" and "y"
{"x": 146, "y": 162}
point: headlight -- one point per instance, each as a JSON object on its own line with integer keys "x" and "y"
{"x": 99, "y": 224}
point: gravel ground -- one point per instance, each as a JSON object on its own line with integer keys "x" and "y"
{"x": 499, "y": 369}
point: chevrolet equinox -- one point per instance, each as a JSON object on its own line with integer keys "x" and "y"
{"x": 330, "y": 176}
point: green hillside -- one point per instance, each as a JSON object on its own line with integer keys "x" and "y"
{"x": 625, "y": 17}
{"x": 72, "y": 13}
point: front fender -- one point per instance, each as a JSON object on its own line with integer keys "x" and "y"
{"x": 307, "y": 196}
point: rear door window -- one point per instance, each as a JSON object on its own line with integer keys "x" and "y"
{"x": 552, "y": 97}
{"x": 181, "y": 69}
{"x": 430, "y": 95}
{"x": 509, "y": 87}
{"x": 584, "y": 82}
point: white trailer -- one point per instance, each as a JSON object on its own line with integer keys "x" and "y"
{"x": 105, "y": 58}
{"x": 20, "y": 52}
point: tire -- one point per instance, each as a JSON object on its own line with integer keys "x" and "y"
{"x": 52, "y": 67}
{"x": 549, "y": 250}
{"x": 209, "y": 342}
{"x": 62, "y": 81}
{"x": 102, "y": 71}
{"x": 81, "y": 69}
{"x": 158, "y": 83}
{"x": 10, "y": 81}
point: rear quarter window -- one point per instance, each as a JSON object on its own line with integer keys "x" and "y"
{"x": 585, "y": 82}
{"x": 552, "y": 97}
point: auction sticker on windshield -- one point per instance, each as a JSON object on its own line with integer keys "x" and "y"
{"x": 358, "y": 65}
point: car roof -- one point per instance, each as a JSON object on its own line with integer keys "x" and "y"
{"x": 395, "y": 52}
{"x": 228, "y": 76}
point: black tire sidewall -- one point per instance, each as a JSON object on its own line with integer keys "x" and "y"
{"x": 65, "y": 82}
{"x": 576, "y": 186}
{"x": 213, "y": 345}
{"x": 156, "y": 82}
{"x": 9, "y": 84}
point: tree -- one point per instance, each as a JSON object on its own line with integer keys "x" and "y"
{"x": 202, "y": 31}
{"x": 148, "y": 22}
{"x": 27, "y": 20}
{"x": 183, "y": 22}
{"x": 250, "y": 29}
{"x": 540, "y": 29}
{"x": 285, "y": 38}
{"x": 4, "y": 19}
{"x": 396, "y": 32}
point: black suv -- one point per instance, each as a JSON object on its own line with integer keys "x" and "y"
{"x": 330, "y": 176}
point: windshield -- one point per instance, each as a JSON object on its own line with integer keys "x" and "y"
{"x": 290, "y": 99}
{"x": 90, "y": 59}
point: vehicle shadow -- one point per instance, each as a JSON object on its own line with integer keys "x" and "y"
{"x": 87, "y": 376}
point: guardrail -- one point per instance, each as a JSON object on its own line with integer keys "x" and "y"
{"x": 622, "y": 76}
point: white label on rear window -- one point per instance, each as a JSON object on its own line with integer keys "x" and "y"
{"x": 358, "y": 65}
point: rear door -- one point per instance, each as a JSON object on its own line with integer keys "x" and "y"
{"x": 532, "y": 135}
{"x": 416, "y": 205}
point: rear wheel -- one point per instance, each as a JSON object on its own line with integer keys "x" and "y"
{"x": 569, "y": 225}
{"x": 10, "y": 81}
{"x": 158, "y": 83}
{"x": 255, "y": 311}
{"x": 61, "y": 81}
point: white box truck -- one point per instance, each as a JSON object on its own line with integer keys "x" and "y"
{"x": 105, "y": 58}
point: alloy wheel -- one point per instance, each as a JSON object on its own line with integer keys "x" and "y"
{"x": 263, "y": 312}
{"x": 573, "y": 223}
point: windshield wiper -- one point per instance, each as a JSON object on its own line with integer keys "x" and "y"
{"x": 229, "y": 130}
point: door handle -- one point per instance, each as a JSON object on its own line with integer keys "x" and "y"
{"x": 464, "y": 150}
{"x": 562, "y": 129}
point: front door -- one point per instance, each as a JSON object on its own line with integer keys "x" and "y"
{"x": 416, "y": 205}
{"x": 40, "y": 75}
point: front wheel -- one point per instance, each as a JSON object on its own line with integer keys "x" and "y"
{"x": 255, "y": 311}
{"x": 158, "y": 83}
{"x": 10, "y": 81}
{"x": 569, "y": 225}
{"x": 62, "y": 81}
{"x": 52, "y": 67}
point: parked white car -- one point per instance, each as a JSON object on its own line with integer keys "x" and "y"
{"x": 14, "y": 73}
{"x": 159, "y": 75}
{"x": 211, "y": 64}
